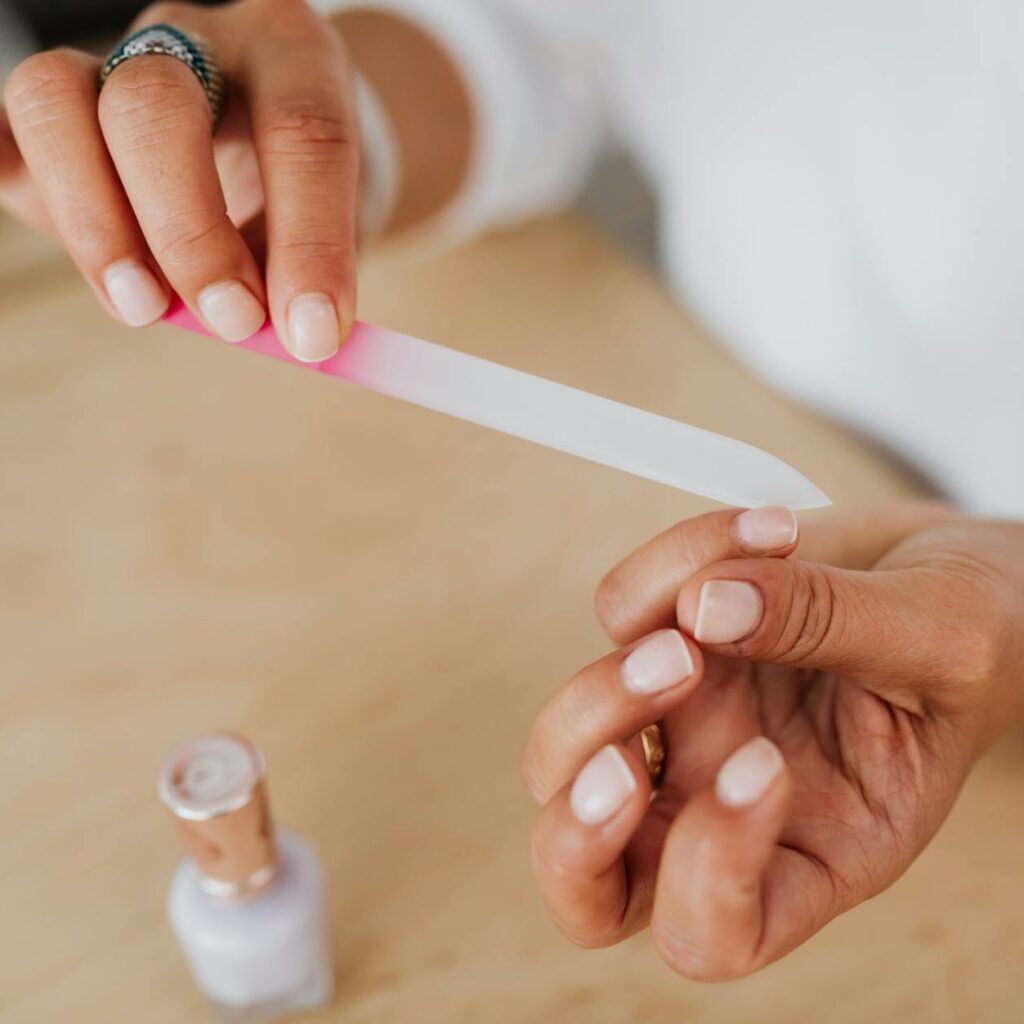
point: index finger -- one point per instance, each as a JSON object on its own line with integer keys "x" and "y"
{"x": 639, "y": 595}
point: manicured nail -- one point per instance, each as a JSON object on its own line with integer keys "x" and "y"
{"x": 728, "y": 610}
{"x": 231, "y": 310}
{"x": 659, "y": 662}
{"x": 313, "y": 327}
{"x": 765, "y": 529}
{"x": 135, "y": 293}
{"x": 602, "y": 787}
{"x": 748, "y": 772}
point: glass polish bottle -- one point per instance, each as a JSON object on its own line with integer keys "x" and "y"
{"x": 246, "y": 905}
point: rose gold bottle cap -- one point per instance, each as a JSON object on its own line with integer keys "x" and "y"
{"x": 215, "y": 787}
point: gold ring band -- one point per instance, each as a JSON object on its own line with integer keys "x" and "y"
{"x": 653, "y": 742}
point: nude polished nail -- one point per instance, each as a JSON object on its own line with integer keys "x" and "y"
{"x": 231, "y": 310}
{"x": 661, "y": 661}
{"x": 134, "y": 292}
{"x": 765, "y": 529}
{"x": 602, "y": 786}
{"x": 748, "y": 772}
{"x": 728, "y": 610}
{"x": 313, "y": 329}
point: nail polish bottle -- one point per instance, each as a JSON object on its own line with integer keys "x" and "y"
{"x": 246, "y": 905}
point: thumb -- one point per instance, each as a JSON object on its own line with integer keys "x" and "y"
{"x": 904, "y": 634}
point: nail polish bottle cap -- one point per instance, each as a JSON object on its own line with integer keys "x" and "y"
{"x": 215, "y": 786}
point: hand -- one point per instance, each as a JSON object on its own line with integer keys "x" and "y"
{"x": 818, "y": 727}
{"x": 128, "y": 178}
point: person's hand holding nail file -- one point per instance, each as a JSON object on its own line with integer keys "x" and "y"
{"x": 819, "y": 705}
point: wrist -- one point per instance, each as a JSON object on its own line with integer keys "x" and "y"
{"x": 423, "y": 100}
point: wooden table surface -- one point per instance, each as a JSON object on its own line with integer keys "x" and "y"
{"x": 193, "y": 537}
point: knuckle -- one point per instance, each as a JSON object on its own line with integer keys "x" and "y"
{"x": 814, "y": 616}
{"x": 155, "y": 98}
{"x": 582, "y": 710}
{"x": 614, "y": 608}
{"x": 542, "y": 772}
{"x": 692, "y": 542}
{"x": 185, "y": 240}
{"x": 977, "y": 660}
{"x": 44, "y": 83}
{"x": 299, "y": 247}
{"x": 308, "y": 128}
{"x": 597, "y": 934}
{"x": 692, "y": 960}
{"x": 594, "y": 928}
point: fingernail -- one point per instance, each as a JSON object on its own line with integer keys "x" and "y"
{"x": 748, "y": 772}
{"x": 765, "y": 529}
{"x": 728, "y": 610}
{"x": 231, "y": 310}
{"x": 659, "y": 662}
{"x": 313, "y": 327}
{"x": 602, "y": 787}
{"x": 135, "y": 293}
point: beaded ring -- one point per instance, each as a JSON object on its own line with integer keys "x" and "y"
{"x": 191, "y": 49}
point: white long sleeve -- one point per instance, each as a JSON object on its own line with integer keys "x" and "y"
{"x": 840, "y": 189}
{"x": 537, "y": 116}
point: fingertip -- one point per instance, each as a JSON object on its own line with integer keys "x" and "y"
{"x": 771, "y": 530}
{"x": 666, "y": 660}
{"x": 604, "y": 786}
{"x": 231, "y": 309}
{"x": 314, "y": 327}
{"x": 748, "y": 773}
{"x": 135, "y": 292}
{"x": 727, "y": 611}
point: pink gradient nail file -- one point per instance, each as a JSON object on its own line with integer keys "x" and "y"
{"x": 551, "y": 414}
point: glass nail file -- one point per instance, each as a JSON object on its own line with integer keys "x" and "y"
{"x": 561, "y": 417}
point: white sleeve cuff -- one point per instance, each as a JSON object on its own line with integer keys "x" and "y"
{"x": 536, "y": 123}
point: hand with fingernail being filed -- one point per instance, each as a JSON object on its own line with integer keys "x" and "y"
{"x": 820, "y": 706}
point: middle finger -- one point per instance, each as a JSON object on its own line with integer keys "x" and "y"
{"x": 158, "y": 125}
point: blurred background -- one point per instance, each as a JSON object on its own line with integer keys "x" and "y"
{"x": 31, "y": 24}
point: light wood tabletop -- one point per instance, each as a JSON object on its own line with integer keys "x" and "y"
{"x": 193, "y": 537}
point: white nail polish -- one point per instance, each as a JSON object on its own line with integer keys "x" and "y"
{"x": 135, "y": 293}
{"x": 658, "y": 663}
{"x": 748, "y": 772}
{"x": 602, "y": 786}
{"x": 313, "y": 327}
{"x": 231, "y": 310}
{"x": 246, "y": 906}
